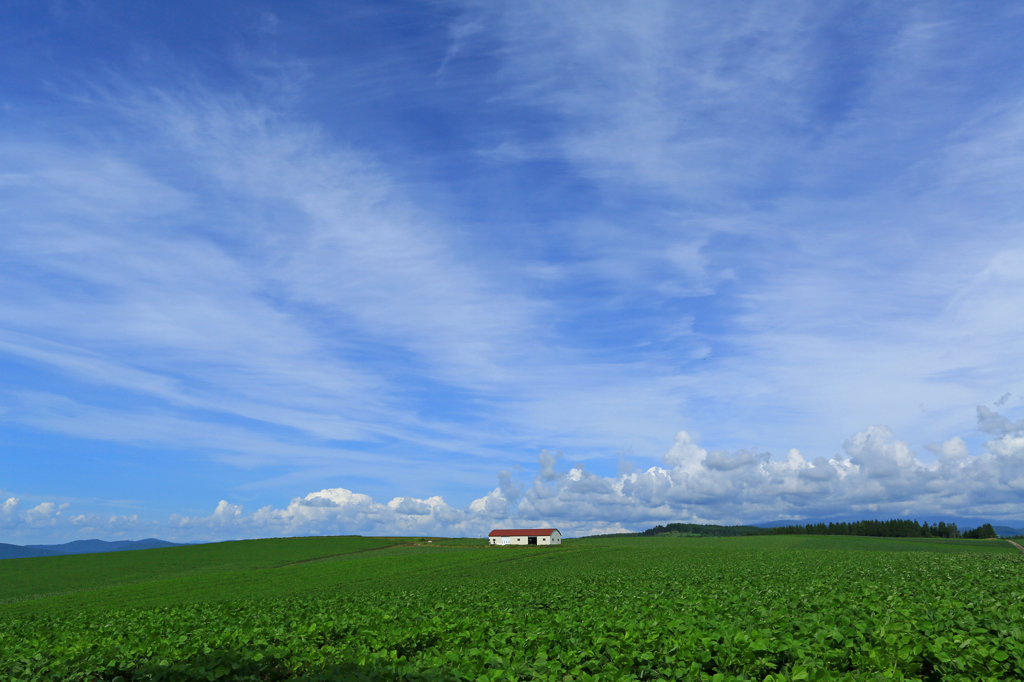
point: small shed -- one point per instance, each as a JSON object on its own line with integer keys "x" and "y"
{"x": 525, "y": 536}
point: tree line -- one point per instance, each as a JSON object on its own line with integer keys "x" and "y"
{"x": 893, "y": 528}
{"x": 703, "y": 530}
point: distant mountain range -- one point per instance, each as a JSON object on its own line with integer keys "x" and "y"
{"x": 1007, "y": 532}
{"x": 80, "y": 547}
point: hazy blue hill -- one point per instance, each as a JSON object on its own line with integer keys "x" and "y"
{"x": 97, "y": 546}
{"x": 19, "y": 552}
{"x": 1006, "y": 531}
{"x": 80, "y": 547}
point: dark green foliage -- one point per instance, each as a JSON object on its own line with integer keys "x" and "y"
{"x": 893, "y": 528}
{"x": 701, "y": 530}
{"x": 756, "y": 608}
{"x": 984, "y": 532}
{"x": 190, "y": 568}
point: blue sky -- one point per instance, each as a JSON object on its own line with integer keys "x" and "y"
{"x": 271, "y": 268}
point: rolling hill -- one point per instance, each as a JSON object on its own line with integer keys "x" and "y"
{"x": 80, "y": 547}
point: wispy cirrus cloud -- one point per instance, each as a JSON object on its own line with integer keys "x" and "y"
{"x": 411, "y": 258}
{"x": 840, "y": 209}
{"x": 278, "y": 322}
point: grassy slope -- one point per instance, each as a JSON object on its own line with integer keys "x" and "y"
{"x": 35, "y": 578}
{"x": 300, "y": 566}
{"x": 822, "y": 542}
{"x": 234, "y": 570}
{"x": 624, "y": 607}
{"x": 894, "y": 544}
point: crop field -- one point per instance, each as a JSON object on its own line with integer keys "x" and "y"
{"x": 744, "y": 608}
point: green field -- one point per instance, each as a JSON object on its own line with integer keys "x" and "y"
{"x": 349, "y": 608}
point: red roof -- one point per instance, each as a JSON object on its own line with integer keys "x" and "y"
{"x": 509, "y": 532}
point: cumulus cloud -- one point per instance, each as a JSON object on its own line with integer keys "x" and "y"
{"x": 493, "y": 505}
{"x": 44, "y": 511}
{"x": 7, "y": 511}
{"x": 259, "y": 286}
{"x": 875, "y": 475}
{"x": 878, "y": 458}
{"x": 332, "y": 511}
{"x": 52, "y": 522}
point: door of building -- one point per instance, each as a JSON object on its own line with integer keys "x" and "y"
{"x": 532, "y": 540}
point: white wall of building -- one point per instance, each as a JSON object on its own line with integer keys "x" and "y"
{"x": 554, "y": 539}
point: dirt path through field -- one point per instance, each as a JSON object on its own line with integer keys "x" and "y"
{"x": 1016, "y": 545}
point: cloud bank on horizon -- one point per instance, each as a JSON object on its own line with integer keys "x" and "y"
{"x": 875, "y": 476}
{"x": 385, "y": 252}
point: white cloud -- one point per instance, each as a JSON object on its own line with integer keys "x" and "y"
{"x": 493, "y": 505}
{"x": 49, "y": 522}
{"x": 952, "y": 453}
{"x": 330, "y": 511}
{"x": 876, "y": 476}
{"x": 872, "y": 451}
{"x": 835, "y": 226}
{"x": 256, "y": 319}
{"x": 43, "y": 512}
{"x": 7, "y": 512}
{"x": 873, "y": 237}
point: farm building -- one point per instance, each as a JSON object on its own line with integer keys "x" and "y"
{"x": 526, "y": 536}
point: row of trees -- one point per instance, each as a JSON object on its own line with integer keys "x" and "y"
{"x": 701, "y": 530}
{"x": 893, "y": 528}
{"x": 981, "y": 533}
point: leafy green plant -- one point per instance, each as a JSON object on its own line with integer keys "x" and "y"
{"x": 636, "y": 609}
